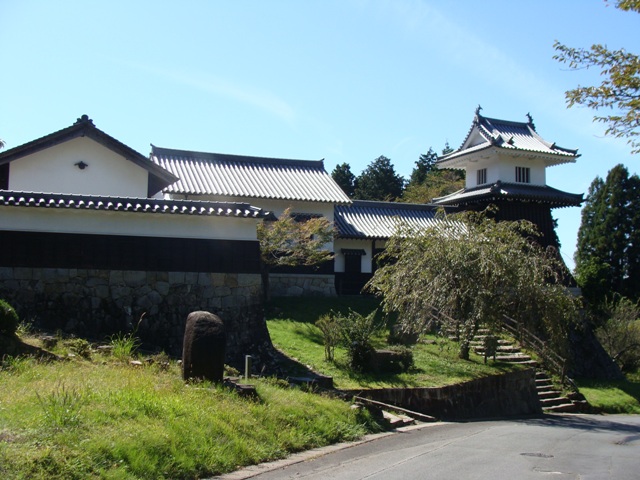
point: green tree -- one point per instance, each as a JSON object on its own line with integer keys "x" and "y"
{"x": 424, "y": 165}
{"x": 345, "y": 179}
{"x": 427, "y": 182}
{"x": 620, "y": 89}
{"x": 620, "y": 333}
{"x": 379, "y": 181}
{"x": 291, "y": 242}
{"x": 608, "y": 251}
{"x": 472, "y": 270}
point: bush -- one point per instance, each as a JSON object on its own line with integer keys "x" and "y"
{"x": 79, "y": 346}
{"x": 396, "y": 359}
{"x": 357, "y": 331}
{"x": 331, "y": 330}
{"x": 620, "y": 332}
{"x": 8, "y": 319}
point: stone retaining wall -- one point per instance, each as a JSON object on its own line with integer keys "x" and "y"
{"x": 507, "y": 395}
{"x": 96, "y": 303}
{"x": 298, "y": 285}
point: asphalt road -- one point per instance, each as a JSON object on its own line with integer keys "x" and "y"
{"x": 551, "y": 446}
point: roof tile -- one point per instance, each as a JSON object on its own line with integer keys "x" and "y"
{"x": 202, "y": 173}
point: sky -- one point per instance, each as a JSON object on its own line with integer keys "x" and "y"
{"x": 339, "y": 80}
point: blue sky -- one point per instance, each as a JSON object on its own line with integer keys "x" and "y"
{"x": 343, "y": 80}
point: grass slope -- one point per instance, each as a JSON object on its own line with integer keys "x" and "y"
{"x": 101, "y": 418}
{"x": 291, "y": 323}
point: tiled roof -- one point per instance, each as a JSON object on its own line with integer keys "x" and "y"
{"x": 202, "y": 173}
{"x": 380, "y": 220}
{"x": 84, "y": 127}
{"x": 518, "y": 137}
{"x": 129, "y": 204}
{"x": 511, "y": 191}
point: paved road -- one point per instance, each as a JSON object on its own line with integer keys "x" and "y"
{"x": 552, "y": 446}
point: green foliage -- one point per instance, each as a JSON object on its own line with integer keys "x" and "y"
{"x": 8, "y": 319}
{"x": 345, "y": 179}
{"x": 427, "y": 182}
{"x": 379, "y": 181}
{"x": 331, "y": 334}
{"x": 288, "y": 242}
{"x": 620, "y": 332}
{"x": 473, "y": 270}
{"x": 620, "y": 89}
{"x": 79, "y": 346}
{"x": 608, "y": 251}
{"x": 357, "y": 333}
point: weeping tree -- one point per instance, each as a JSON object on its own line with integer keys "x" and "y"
{"x": 293, "y": 241}
{"x": 472, "y": 270}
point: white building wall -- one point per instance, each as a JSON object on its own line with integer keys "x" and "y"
{"x": 30, "y": 219}
{"x": 53, "y": 170}
{"x": 508, "y": 166}
{"x": 503, "y": 168}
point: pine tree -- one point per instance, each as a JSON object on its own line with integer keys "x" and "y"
{"x": 345, "y": 179}
{"x": 379, "y": 181}
{"x": 608, "y": 252}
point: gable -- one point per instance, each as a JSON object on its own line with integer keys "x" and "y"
{"x": 79, "y": 166}
{"x": 156, "y": 177}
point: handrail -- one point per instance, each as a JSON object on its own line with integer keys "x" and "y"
{"x": 554, "y": 362}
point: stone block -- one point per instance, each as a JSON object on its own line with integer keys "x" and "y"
{"x": 135, "y": 278}
{"x": 176, "y": 278}
{"x": 116, "y": 277}
{"x": 162, "y": 287}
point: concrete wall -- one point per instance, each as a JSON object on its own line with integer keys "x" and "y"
{"x": 97, "y": 303}
{"x": 507, "y": 395}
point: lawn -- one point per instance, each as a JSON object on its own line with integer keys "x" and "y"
{"x": 291, "y": 323}
{"x": 620, "y": 396}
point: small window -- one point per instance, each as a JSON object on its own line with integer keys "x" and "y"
{"x": 523, "y": 175}
{"x": 481, "y": 176}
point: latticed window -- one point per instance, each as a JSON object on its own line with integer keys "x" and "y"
{"x": 523, "y": 175}
{"x": 481, "y": 176}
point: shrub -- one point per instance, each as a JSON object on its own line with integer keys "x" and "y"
{"x": 8, "y": 319}
{"x": 331, "y": 330}
{"x": 79, "y": 346}
{"x": 357, "y": 331}
{"x": 396, "y": 359}
{"x": 620, "y": 333}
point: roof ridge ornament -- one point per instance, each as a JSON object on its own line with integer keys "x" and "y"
{"x": 530, "y": 121}
{"x": 477, "y": 117}
{"x": 85, "y": 119}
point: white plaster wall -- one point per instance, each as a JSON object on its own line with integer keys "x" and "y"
{"x": 126, "y": 223}
{"x": 508, "y": 166}
{"x": 53, "y": 170}
{"x": 504, "y": 168}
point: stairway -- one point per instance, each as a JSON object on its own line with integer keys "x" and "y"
{"x": 551, "y": 399}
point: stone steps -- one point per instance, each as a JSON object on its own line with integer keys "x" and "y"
{"x": 551, "y": 399}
